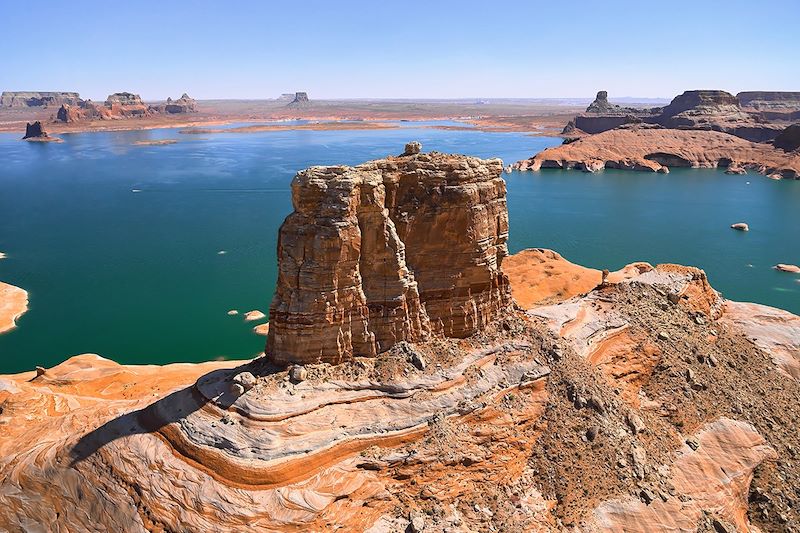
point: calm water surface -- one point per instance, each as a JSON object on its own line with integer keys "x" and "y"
{"x": 138, "y": 276}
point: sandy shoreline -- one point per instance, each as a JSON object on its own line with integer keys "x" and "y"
{"x": 13, "y": 304}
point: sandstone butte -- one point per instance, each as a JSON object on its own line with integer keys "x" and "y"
{"x": 643, "y": 403}
{"x": 657, "y": 149}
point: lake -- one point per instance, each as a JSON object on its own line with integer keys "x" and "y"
{"x": 138, "y": 252}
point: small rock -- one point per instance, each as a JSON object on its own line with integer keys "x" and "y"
{"x": 556, "y": 353}
{"x": 712, "y": 360}
{"x": 536, "y": 373}
{"x": 647, "y": 496}
{"x": 596, "y": 403}
{"x": 663, "y": 335}
{"x": 635, "y": 423}
{"x": 255, "y": 314}
{"x": 722, "y": 527}
{"x": 693, "y": 443}
{"x": 237, "y": 389}
{"x": 233, "y": 312}
{"x": 417, "y": 524}
{"x": 246, "y": 379}
{"x": 298, "y": 373}
{"x": 412, "y": 148}
{"x": 741, "y": 226}
{"x": 698, "y": 319}
{"x": 418, "y": 361}
{"x": 673, "y": 298}
{"x": 40, "y": 371}
{"x": 689, "y": 374}
{"x": 592, "y": 433}
{"x": 794, "y": 269}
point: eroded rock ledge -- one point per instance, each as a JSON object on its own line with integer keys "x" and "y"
{"x": 393, "y": 250}
{"x": 657, "y": 149}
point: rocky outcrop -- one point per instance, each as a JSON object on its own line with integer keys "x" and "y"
{"x": 184, "y": 104}
{"x": 35, "y": 132}
{"x": 38, "y": 99}
{"x": 769, "y": 100}
{"x": 657, "y": 149}
{"x": 300, "y": 100}
{"x": 123, "y": 105}
{"x": 789, "y": 139}
{"x": 124, "y": 99}
{"x": 359, "y": 259}
{"x": 700, "y": 109}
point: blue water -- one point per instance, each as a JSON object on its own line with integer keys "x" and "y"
{"x": 137, "y": 277}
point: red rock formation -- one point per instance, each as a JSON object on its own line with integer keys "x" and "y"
{"x": 657, "y": 149}
{"x": 361, "y": 261}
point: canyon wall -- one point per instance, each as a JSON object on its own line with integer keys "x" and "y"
{"x": 392, "y": 250}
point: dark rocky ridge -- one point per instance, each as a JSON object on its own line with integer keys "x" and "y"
{"x": 789, "y": 139}
{"x": 34, "y": 130}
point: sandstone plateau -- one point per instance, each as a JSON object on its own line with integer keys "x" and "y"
{"x": 637, "y": 401}
{"x": 656, "y": 149}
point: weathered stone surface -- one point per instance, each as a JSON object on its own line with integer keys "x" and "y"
{"x": 38, "y": 99}
{"x": 769, "y": 99}
{"x": 13, "y": 304}
{"x": 391, "y": 250}
{"x": 656, "y": 149}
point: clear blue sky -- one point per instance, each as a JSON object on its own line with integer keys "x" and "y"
{"x": 408, "y": 48}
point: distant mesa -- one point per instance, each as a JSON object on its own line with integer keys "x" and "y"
{"x": 769, "y": 100}
{"x": 123, "y": 105}
{"x": 300, "y": 100}
{"x": 34, "y": 131}
{"x": 706, "y": 109}
{"x": 286, "y": 97}
{"x": 38, "y": 99}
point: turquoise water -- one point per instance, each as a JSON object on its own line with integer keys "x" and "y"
{"x": 137, "y": 276}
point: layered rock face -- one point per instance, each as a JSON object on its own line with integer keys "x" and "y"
{"x": 771, "y": 100}
{"x": 700, "y": 109}
{"x": 38, "y": 99}
{"x": 392, "y": 250}
{"x": 656, "y": 149}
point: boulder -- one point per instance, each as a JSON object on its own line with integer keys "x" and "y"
{"x": 741, "y": 226}
{"x": 360, "y": 259}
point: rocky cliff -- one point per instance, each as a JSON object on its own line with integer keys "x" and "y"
{"x": 789, "y": 139}
{"x": 38, "y": 99}
{"x": 769, "y": 100}
{"x": 360, "y": 259}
